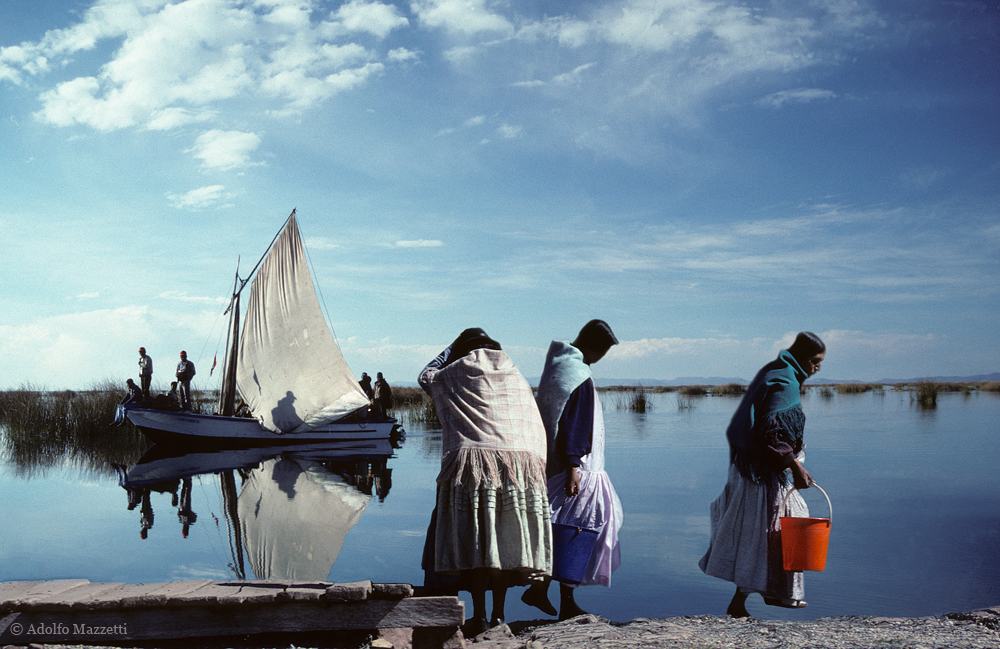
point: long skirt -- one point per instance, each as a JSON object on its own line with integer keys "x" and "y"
{"x": 596, "y": 507}
{"x": 746, "y": 537}
{"x": 500, "y": 527}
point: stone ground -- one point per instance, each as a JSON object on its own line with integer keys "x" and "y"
{"x": 972, "y": 630}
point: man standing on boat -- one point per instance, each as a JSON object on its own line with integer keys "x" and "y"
{"x": 185, "y": 372}
{"x": 145, "y": 371}
{"x": 382, "y": 397}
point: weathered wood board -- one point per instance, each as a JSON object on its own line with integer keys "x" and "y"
{"x": 78, "y": 611}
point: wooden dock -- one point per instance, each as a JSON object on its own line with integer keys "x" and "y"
{"x": 74, "y": 611}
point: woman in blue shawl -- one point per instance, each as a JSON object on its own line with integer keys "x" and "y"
{"x": 765, "y": 445}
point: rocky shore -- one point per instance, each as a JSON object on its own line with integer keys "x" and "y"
{"x": 972, "y": 630}
{"x": 979, "y": 629}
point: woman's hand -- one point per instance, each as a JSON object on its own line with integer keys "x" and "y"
{"x": 800, "y": 476}
{"x": 572, "y": 482}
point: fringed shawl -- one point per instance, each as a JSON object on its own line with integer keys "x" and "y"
{"x": 769, "y": 414}
{"x": 564, "y": 372}
{"x": 491, "y": 430}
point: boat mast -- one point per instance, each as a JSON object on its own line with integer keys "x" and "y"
{"x": 227, "y": 394}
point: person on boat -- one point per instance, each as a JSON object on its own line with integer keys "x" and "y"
{"x": 381, "y": 397}
{"x": 145, "y": 371}
{"x": 366, "y": 385}
{"x": 185, "y": 372}
{"x": 133, "y": 393}
{"x": 580, "y": 492}
{"x": 169, "y": 400}
{"x": 765, "y": 445}
{"x": 490, "y": 528}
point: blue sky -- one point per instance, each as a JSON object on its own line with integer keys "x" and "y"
{"x": 707, "y": 176}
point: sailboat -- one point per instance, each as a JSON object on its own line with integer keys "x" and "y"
{"x": 286, "y": 367}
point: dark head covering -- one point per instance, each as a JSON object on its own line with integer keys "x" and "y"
{"x": 596, "y": 335}
{"x": 470, "y": 340}
{"x": 806, "y": 345}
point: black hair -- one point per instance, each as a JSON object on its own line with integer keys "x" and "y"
{"x": 470, "y": 340}
{"x": 806, "y": 345}
{"x": 596, "y": 335}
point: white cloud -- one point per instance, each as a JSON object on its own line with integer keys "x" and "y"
{"x": 462, "y": 16}
{"x": 797, "y": 96}
{"x": 402, "y": 55}
{"x": 419, "y": 243}
{"x": 372, "y": 17}
{"x": 509, "y": 131}
{"x": 176, "y": 60}
{"x": 182, "y": 296}
{"x": 319, "y": 243}
{"x": 225, "y": 149}
{"x": 199, "y": 198}
{"x": 81, "y": 350}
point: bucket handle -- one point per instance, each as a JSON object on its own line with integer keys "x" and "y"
{"x": 828, "y": 503}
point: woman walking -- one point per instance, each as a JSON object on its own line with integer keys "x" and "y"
{"x": 491, "y": 524}
{"x": 765, "y": 445}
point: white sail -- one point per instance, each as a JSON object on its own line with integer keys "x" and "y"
{"x": 290, "y": 371}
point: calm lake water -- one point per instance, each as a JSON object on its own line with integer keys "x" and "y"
{"x": 916, "y": 511}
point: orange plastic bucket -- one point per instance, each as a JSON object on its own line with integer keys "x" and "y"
{"x": 804, "y": 541}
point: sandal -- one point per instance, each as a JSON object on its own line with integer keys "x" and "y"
{"x": 785, "y": 603}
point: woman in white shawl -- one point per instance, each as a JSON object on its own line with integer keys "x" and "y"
{"x": 491, "y": 526}
{"x": 580, "y": 492}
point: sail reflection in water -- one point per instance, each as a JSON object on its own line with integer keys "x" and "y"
{"x": 288, "y": 509}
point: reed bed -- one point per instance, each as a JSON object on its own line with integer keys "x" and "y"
{"x": 45, "y": 429}
{"x": 729, "y": 390}
{"x": 632, "y": 400}
{"x": 694, "y": 390}
{"x": 989, "y": 386}
{"x": 415, "y": 406}
{"x": 926, "y": 394}
{"x": 857, "y": 388}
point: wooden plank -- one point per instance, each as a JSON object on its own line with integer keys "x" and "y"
{"x": 178, "y": 588}
{"x": 157, "y": 623}
{"x": 227, "y": 593}
{"x": 357, "y": 591}
{"x": 73, "y": 598}
{"x": 43, "y": 590}
{"x": 11, "y": 590}
{"x": 120, "y": 596}
{"x": 392, "y": 591}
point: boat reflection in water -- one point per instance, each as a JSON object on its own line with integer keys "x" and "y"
{"x": 288, "y": 508}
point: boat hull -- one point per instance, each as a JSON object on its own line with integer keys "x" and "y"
{"x": 167, "y": 427}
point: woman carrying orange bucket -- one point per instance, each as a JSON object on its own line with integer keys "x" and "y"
{"x": 765, "y": 445}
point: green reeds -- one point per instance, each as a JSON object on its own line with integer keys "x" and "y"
{"x": 415, "y": 406}
{"x": 856, "y": 388}
{"x": 632, "y": 399}
{"x": 43, "y": 429}
{"x": 729, "y": 390}
{"x": 926, "y": 394}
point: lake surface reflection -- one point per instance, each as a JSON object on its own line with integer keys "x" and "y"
{"x": 916, "y": 521}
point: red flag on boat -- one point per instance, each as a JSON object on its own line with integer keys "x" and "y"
{"x": 214, "y": 359}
